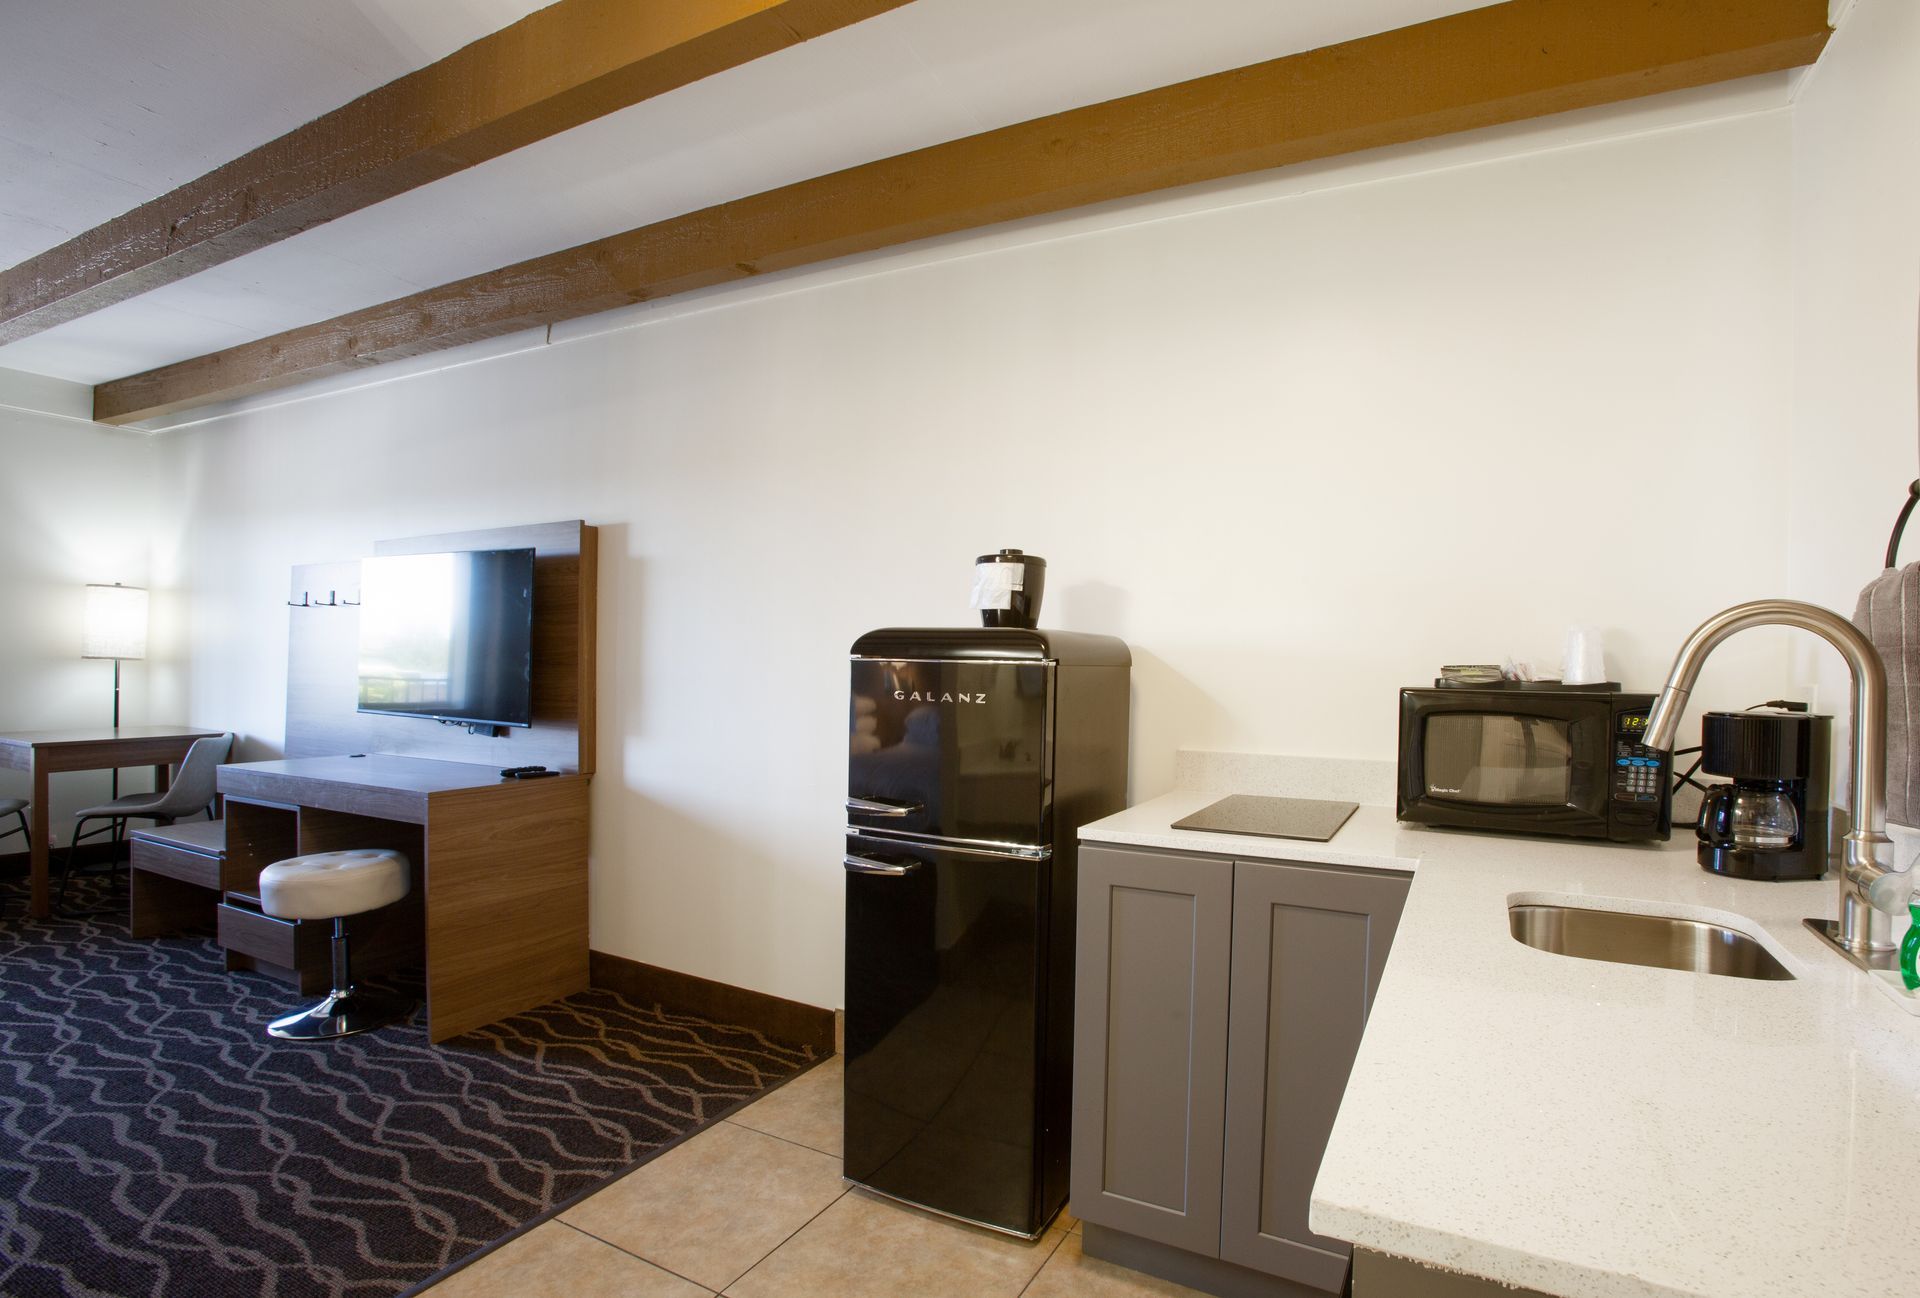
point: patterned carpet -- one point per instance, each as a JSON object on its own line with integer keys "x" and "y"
{"x": 155, "y": 1142}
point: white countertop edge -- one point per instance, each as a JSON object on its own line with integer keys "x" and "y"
{"x": 1278, "y": 849}
{"x": 1480, "y": 1260}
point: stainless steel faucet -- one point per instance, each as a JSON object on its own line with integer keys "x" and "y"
{"x": 1871, "y": 890}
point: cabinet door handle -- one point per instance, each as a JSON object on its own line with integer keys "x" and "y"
{"x": 872, "y": 807}
{"x": 868, "y": 865}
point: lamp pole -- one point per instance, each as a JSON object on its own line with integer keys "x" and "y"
{"x": 115, "y": 779}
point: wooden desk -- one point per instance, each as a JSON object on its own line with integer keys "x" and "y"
{"x": 501, "y": 864}
{"x": 43, "y": 752}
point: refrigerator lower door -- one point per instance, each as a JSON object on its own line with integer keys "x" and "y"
{"x": 945, "y": 949}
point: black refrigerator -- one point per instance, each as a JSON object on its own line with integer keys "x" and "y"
{"x": 975, "y": 755}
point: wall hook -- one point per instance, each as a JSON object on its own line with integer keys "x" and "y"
{"x": 302, "y": 602}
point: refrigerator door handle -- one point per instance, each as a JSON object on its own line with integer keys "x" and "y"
{"x": 871, "y": 865}
{"x": 872, "y": 807}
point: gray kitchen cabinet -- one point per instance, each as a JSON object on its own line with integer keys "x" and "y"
{"x": 1309, "y": 943}
{"x": 1219, "y": 1006}
{"x": 1150, "y": 1043}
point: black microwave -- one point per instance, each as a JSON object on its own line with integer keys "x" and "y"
{"x": 1533, "y": 760}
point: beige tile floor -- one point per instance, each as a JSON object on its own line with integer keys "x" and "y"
{"x": 754, "y": 1206}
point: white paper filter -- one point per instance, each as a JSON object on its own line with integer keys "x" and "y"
{"x": 994, "y": 584}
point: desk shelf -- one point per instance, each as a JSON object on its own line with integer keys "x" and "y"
{"x": 175, "y": 876}
{"x": 299, "y": 951}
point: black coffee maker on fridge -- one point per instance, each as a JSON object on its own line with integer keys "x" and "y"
{"x": 1771, "y": 822}
{"x": 976, "y": 753}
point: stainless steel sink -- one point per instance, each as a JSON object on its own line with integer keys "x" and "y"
{"x": 1662, "y": 941}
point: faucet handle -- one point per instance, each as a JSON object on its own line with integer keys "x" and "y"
{"x": 1866, "y": 874}
{"x": 1892, "y": 891}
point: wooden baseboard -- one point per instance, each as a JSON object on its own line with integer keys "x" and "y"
{"x": 782, "y": 1020}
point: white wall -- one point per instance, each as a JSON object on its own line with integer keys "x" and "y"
{"x": 1299, "y": 442}
{"x": 78, "y": 504}
{"x": 1856, "y": 257}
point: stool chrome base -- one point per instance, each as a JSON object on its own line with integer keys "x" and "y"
{"x": 341, "y": 1014}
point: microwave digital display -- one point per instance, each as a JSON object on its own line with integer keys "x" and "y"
{"x": 1500, "y": 759}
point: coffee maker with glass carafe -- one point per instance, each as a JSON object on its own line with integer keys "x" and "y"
{"x": 1771, "y": 822}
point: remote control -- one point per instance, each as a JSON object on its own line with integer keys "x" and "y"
{"x": 514, "y": 772}
{"x": 538, "y": 774}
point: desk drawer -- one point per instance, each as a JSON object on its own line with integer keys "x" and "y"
{"x": 177, "y": 862}
{"x": 283, "y": 942}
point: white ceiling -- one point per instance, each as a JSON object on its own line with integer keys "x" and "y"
{"x": 105, "y": 104}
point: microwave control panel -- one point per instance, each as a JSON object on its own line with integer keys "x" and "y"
{"x": 1639, "y": 772}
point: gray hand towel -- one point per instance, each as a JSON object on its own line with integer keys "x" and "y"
{"x": 1889, "y": 612}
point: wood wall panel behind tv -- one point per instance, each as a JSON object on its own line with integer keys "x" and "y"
{"x": 323, "y": 645}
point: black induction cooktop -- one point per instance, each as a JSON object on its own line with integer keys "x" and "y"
{"x": 1306, "y": 818}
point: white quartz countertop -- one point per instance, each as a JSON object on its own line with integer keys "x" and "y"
{"x": 1597, "y": 1130}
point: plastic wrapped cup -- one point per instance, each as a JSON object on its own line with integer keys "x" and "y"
{"x": 1585, "y": 660}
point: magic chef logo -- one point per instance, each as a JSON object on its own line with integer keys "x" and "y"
{"x": 928, "y": 696}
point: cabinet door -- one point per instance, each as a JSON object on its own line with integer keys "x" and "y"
{"x": 1309, "y": 943}
{"x": 1150, "y": 1044}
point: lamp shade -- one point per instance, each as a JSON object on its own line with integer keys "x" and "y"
{"x": 116, "y": 622}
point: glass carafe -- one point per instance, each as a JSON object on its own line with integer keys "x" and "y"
{"x": 1763, "y": 820}
{"x": 1749, "y": 817}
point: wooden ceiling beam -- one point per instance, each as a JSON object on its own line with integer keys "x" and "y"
{"x": 1506, "y": 62}
{"x": 561, "y": 66}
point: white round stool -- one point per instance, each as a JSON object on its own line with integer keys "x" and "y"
{"x": 333, "y": 885}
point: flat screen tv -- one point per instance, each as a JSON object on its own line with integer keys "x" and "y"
{"x": 448, "y": 637}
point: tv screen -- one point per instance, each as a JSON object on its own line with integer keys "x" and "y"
{"x": 448, "y": 636}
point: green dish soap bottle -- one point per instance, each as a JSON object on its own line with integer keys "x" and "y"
{"x": 1910, "y": 949}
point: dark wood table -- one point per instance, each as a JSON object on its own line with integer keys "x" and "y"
{"x": 43, "y": 752}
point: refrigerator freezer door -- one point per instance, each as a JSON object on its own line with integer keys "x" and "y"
{"x": 943, "y": 982}
{"x": 951, "y": 749}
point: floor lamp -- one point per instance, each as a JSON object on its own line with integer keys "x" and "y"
{"x": 116, "y": 628}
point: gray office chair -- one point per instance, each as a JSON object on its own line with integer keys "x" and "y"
{"x": 16, "y": 807}
{"x": 191, "y": 793}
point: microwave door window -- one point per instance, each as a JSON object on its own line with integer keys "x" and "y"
{"x": 1499, "y": 760}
